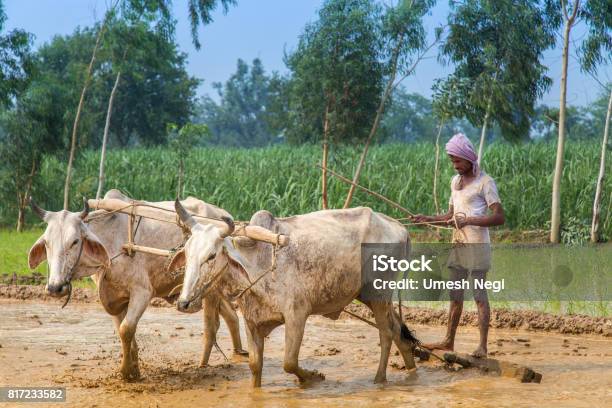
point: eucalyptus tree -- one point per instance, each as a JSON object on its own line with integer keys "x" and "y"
{"x": 336, "y": 77}
{"x": 200, "y": 13}
{"x": 18, "y": 139}
{"x": 130, "y": 26}
{"x": 496, "y": 47}
{"x": 596, "y": 48}
{"x": 403, "y": 45}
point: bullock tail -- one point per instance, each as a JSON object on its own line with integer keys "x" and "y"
{"x": 408, "y": 336}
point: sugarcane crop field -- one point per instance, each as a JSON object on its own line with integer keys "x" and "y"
{"x": 326, "y": 202}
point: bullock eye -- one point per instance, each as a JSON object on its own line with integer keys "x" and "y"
{"x": 76, "y": 241}
{"x": 210, "y": 257}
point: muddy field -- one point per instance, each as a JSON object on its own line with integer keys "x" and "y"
{"x": 77, "y": 348}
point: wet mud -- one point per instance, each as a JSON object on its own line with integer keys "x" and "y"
{"x": 77, "y": 348}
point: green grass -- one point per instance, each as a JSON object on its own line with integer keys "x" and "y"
{"x": 14, "y": 248}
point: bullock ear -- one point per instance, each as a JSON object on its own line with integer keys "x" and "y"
{"x": 38, "y": 253}
{"x": 234, "y": 254}
{"x": 177, "y": 262}
{"x": 93, "y": 248}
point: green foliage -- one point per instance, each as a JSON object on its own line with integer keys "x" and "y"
{"x": 27, "y": 132}
{"x": 285, "y": 181}
{"x": 597, "y": 46}
{"x": 182, "y": 140}
{"x": 575, "y": 231}
{"x": 16, "y": 65}
{"x": 403, "y": 34}
{"x": 581, "y": 122}
{"x": 155, "y": 87}
{"x": 410, "y": 118}
{"x": 200, "y": 12}
{"x": 248, "y": 103}
{"x": 496, "y": 47}
{"x": 336, "y": 73}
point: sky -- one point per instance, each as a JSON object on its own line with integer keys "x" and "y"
{"x": 266, "y": 29}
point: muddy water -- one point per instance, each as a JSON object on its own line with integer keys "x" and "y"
{"x": 42, "y": 345}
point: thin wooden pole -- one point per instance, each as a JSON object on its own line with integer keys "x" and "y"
{"x": 375, "y": 194}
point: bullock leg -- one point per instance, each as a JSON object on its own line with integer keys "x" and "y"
{"x": 127, "y": 329}
{"x": 233, "y": 324}
{"x": 294, "y": 332}
{"x": 383, "y": 316}
{"x": 256, "y": 347}
{"x": 211, "y": 325}
{"x": 405, "y": 347}
{"x": 117, "y": 319}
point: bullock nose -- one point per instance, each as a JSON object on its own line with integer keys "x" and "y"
{"x": 55, "y": 289}
{"x": 182, "y": 305}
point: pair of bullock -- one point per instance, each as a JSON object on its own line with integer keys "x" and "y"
{"x": 317, "y": 273}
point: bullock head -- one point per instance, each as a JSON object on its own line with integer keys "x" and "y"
{"x": 204, "y": 258}
{"x": 70, "y": 248}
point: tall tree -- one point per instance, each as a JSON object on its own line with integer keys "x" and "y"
{"x": 18, "y": 133}
{"x": 403, "y": 46}
{"x": 336, "y": 76}
{"x": 595, "y": 14}
{"x": 27, "y": 132}
{"x": 601, "y": 174}
{"x": 199, "y": 12}
{"x": 129, "y": 27}
{"x": 595, "y": 50}
{"x": 496, "y": 47}
{"x": 77, "y": 117}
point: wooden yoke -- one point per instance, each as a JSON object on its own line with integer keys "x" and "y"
{"x": 156, "y": 212}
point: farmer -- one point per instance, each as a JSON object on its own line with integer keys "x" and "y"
{"x": 472, "y": 193}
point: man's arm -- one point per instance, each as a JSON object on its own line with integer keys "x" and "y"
{"x": 495, "y": 218}
{"x": 442, "y": 218}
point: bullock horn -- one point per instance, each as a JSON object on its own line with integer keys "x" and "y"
{"x": 37, "y": 210}
{"x": 184, "y": 216}
{"x": 85, "y": 211}
{"x": 229, "y": 228}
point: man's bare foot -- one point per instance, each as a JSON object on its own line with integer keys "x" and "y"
{"x": 480, "y": 352}
{"x": 443, "y": 345}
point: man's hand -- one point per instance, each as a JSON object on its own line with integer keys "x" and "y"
{"x": 459, "y": 222}
{"x": 419, "y": 218}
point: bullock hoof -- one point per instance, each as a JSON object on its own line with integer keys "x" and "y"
{"x": 310, "y": 376}
{"x": 240, "y": 356}
{"x": 380, "y": 379}
{"x": 130, "y": 374}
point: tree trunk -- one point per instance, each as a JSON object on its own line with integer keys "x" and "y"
{"x": 379, "y": 112}
{"x": 437, "y": 169}
{"x": 600, "y": 177}
{"x": 105, "y": 137}
{"x": 179, "y": 187}
{"x": 78, "y": 117}
{"x": 555, "y": 219}
{"x": 20, "y": 218}
{"x": 325, "y": 152}
{"x": 483, "y": 134}
{"x": 22, "y": 199}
